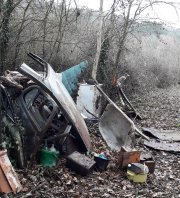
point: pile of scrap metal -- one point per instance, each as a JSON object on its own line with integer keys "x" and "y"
{"x": 37, "y": 108}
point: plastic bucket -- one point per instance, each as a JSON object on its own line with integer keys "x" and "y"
{"x": 139, "y": 178}
{"x": 101, "y": 164}
{"x": 48, "y": 158}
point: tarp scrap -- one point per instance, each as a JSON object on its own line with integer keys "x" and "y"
{"x": 70, "y": 76}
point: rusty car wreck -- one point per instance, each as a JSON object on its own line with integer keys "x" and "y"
{"x": 40, "y": 110}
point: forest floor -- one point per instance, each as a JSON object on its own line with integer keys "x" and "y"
{"x": 159, "y": 109}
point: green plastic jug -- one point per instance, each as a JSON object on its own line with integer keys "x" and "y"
{"x": 49, "y": 157}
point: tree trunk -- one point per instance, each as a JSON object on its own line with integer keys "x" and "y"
{"x": 4, "y": 33}
{"x": 99, "y": 35}
{"x": 123, "y": 38}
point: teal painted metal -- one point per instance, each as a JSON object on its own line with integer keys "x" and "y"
{"x": 70, "y": 76}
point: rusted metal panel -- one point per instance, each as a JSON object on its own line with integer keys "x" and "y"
{"x": 128, "y": 157}
{"x": 10, "y": 181}
{"x": 163, "y": 145}
{"x": 170, "y": 135}
{"x": 51, "y": 85}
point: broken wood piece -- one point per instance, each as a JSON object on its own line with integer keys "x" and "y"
{"x": 127, "y": 103}
{"x": 9, "y": 181}
{"x": 4, "y": 185}
{"x": 127, "y": 157}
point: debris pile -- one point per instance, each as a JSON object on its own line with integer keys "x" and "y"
{"x": 44, "y": 125}
{"x": 42, "y": 111}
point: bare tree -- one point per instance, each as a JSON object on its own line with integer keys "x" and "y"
{"x": 99, "y": 35}
{"x": 128, "y": 13}
{"x": 7, "y": 8}
{"x": 19, "y": 31}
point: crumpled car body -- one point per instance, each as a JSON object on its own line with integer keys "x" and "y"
{"x": 47, "y": 113}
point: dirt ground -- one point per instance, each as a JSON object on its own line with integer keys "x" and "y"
{"x": 159, "y": 109}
